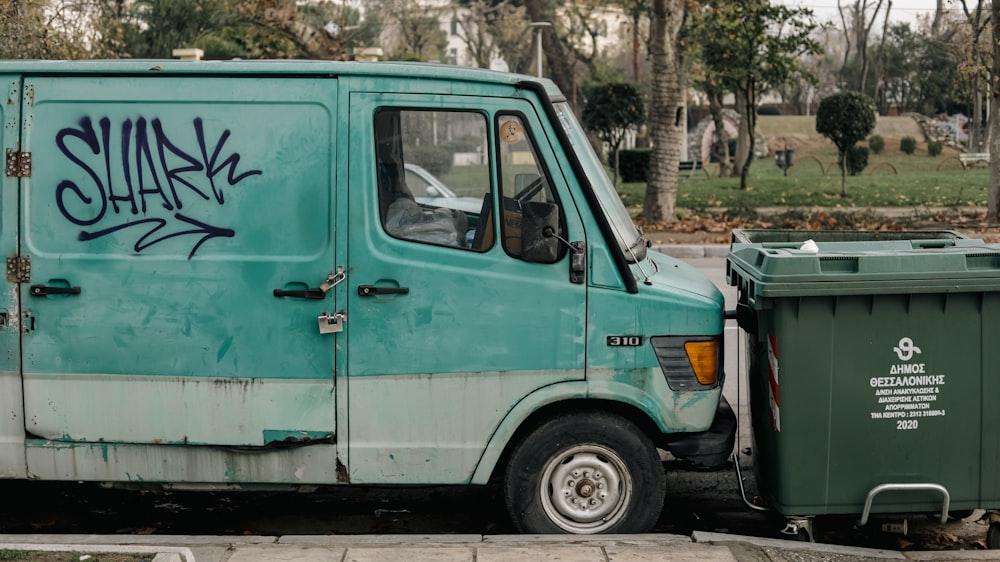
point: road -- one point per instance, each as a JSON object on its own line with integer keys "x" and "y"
{"x": 696, "y": 500}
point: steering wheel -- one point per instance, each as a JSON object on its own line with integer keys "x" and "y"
{"x": 530, "y": 190}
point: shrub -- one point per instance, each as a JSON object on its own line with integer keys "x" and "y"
{"x": 907, "y": 145}
{"x": 768, "y": 110}
{"x": 934, "y": 148}
{"x": 435, "y": 160}
{"x": 857, "y": 159}
{"x": 634, "y": 165}
{"x": 877, "y": 144}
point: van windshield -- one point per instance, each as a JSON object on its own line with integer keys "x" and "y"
{"x": 629, "y": 237}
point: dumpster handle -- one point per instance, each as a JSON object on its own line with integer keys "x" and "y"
{"x": 905, "y": 488}
{"x": 933, "y": 243}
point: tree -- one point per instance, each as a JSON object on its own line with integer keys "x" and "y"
{"x": 494, "y": 28}
{"x": 557, "y": 64}
{"x": 975, "y": 67}
{"x": 861, "y": 27}
{"x": 920, "y": 74}
{"x": 611, "y": 110}
{"x": 415, "y": 28}
{"x": 845, "y": 118}
{"x": 637, "y": 11}
{"x": 993, "y": 196}
{"x": 754, "y": 46}
{"x": 666, "y": 110}
{"x": 42, "y": 30}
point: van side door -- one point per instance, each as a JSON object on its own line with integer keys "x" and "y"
{"x": 455, "y": 314}
{"x": 179, "y": 228}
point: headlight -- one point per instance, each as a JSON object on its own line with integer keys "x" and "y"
{"x": 689, "y": 363}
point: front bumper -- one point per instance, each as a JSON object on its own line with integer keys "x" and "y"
{"x": 710, "y": 448}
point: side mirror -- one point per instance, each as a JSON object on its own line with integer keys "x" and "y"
{"x": 536, "y": 219}
{"x": 540, "y": 243}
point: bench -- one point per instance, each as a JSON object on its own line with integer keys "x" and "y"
{"x": 689, "y": 166}
{"x": 974, "y": 159}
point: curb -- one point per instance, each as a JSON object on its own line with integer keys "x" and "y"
{"x": 162, "y": 553}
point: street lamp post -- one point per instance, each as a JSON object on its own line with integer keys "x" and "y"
{"x": 538, "y": 25}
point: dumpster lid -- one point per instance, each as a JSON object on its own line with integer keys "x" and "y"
{"x": 781, "y": 237}
{"x": 915, "y": 265}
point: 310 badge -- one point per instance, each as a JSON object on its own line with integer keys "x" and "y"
{"x": 624, "y": 341}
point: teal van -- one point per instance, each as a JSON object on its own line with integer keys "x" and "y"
{"x": 240, "y": 275}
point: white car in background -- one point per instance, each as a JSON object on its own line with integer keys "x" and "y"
{"x": 428, "y": 190}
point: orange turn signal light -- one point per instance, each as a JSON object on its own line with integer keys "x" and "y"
{"x": 704, "y": 358}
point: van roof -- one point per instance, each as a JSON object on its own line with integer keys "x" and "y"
{"x": 418, "y": 70}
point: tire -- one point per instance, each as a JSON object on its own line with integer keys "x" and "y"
{"x": 585, "y": 473}
{"x": 993, "y": 536}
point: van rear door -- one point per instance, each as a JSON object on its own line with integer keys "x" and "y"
{"x": 178, "y": 229}
{"x": 11, "y": 423}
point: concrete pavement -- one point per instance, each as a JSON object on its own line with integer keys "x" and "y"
{"x": 700, "y": 546}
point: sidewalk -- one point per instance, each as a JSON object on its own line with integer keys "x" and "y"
{"x": 701, "y": 546}
{"x": 692, "y": 251}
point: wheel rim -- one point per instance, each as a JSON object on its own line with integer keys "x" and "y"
{"x": 585, "y": 489}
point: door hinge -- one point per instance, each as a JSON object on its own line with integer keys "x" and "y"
{"x": 18, "y": 164}
{"x": 19, "y": 269}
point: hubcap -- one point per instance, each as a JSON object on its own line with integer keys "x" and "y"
{"x": 585, "y": 489}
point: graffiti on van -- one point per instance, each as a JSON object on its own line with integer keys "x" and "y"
{"x": 155, "y": 173}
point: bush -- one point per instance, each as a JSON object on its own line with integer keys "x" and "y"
{"x": 877, "y": 144}
{"x": 907, "y": 145}
{"x": 934, "y": 148}
{"x": 857, "y": 159}
{"x": 634, "y": 165}
{"x": 434, "y": 159}
{"x": 768, "y": 110}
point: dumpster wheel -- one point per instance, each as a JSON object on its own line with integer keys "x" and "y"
{"x": 993, "y": 536}
{"x": 799, "y": 529}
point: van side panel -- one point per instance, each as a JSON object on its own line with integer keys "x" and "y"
{"x": 178, "y": 205}
{"x": 12, "y": 464}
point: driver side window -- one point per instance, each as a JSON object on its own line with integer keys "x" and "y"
{"x": 433, "y": 175}
{"x": 528, "y": 199}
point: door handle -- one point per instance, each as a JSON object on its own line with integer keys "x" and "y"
{"x": 313, "y": 294}
{"x": 372, "y": 290}
{"x": 316, "y": 293}
{"x": 45, "y": 290}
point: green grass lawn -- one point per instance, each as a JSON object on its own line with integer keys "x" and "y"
{"x": 892, "y": 179}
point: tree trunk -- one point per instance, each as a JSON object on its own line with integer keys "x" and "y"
{"x": 750, "y": 118}
{"x": 993, "y": 198}
{"x": 666, "y": 111}
{"x": 635, "y": 46}
{"x": 843, "y": 173}
{"x": 558, "y": 68}
{"x": 722, "y": 136}
{"x": 743, "y": 135}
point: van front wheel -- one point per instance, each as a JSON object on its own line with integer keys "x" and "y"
{"x": 585, "y": 473}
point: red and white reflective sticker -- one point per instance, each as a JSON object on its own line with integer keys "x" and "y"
{"x": 774, "y": 396}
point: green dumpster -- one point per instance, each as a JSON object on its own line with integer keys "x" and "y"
{"x": 874, "y": 370}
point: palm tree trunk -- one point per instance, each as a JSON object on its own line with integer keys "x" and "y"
{"x": 666, "y": 111}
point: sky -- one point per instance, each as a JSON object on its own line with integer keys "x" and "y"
{"x": 902, "y": 10}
